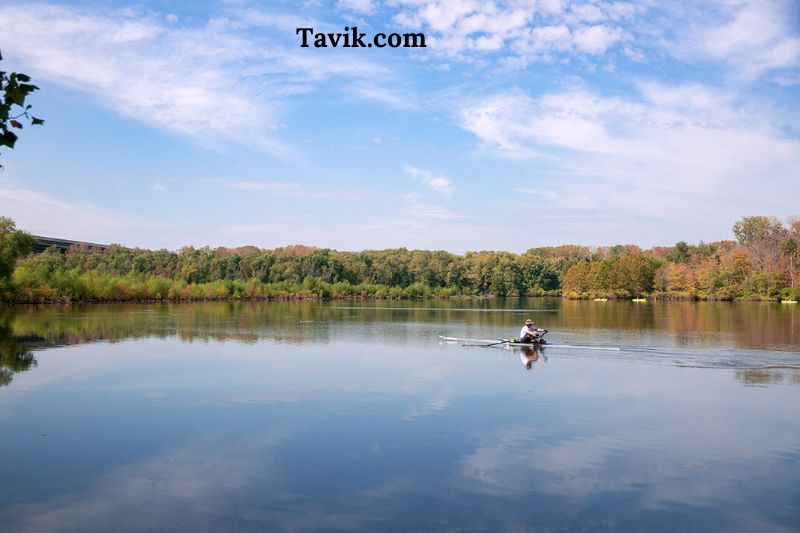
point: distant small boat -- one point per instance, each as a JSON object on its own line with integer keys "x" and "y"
{"x": 601, "y": 299}
{"x": 639, "y": 300}
{"x": 788, "y": 301}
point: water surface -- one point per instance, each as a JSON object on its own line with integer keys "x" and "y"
{"x": 342, "y": 416}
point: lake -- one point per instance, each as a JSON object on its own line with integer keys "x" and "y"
{"x": 306, "y": 416}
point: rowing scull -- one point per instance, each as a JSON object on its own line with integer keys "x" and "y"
{"x": 513, "y": 342}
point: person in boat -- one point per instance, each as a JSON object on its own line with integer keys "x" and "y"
{"x": 529, "y": 332}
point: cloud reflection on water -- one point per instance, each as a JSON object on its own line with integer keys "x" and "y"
{"x": 386, "y": 429}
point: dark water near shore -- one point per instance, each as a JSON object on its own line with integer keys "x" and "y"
{"x": 343, "y": 416}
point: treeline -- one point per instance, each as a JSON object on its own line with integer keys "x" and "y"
{"x": 135, "y": 274}
{"x": 762, "y": 263}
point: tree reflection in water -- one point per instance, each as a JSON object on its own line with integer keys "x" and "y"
{"x": 762, "y": 377}
{"x": 726, "y": 334}
{"x": 15, "y": 356}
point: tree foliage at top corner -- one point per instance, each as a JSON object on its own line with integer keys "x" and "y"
{"x": 15, "y": 88}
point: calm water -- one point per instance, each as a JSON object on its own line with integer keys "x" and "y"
{"x": 341, "y": 416}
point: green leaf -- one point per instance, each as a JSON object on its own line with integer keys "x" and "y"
{"x": 8, "y": 139}
{"x": 14, "y": 95}
{"x": 36, "y": 121}
{"x": 23, "y": 77}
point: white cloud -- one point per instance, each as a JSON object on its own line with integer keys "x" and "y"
{"x": 384, "y": 95}
{"x": 365, "y": 7}
{"x": 172, "y": 79}
{"x": 291, "y": 188}
{"x": 425, "y": 210}
{"x": 41, "y": 214}
{"x": 528, "y": 31}
{"x": 596, "y": 39}
{"x": 213, "y": 81}
{"x": 438, "y": 184}
{"x": 671, "y": 149}
{"x": 751, "y": 37}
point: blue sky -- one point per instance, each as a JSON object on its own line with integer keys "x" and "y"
{"x": 524, "y": 123}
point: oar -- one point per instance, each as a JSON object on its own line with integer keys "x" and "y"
{"x": 495, "y": 343}
{"x": 577, "y": 347}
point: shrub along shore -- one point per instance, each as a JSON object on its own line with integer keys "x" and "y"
{"x": 761, "y": 264}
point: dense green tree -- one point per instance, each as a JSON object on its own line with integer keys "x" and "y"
{"x": 681, "y": 253}
{"x": 577, "y": 278}
{"x": 13, "y": 244}
{"x": 636, "y": 274}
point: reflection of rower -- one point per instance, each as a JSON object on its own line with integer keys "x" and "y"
{"x": 528, "y": 355}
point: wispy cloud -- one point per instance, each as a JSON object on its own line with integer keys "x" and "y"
{"x": 389, "y": 96}
{"x": 668, "y": 149}
{"x": 42, "y": 214}
{"x": 365, "y": 7}
{"x": 292, "y": 188}
{"x": 212, "y": 81}
{"x": 289, "y": 188}
{"x": 172, "y": 78}
{"x": 426, "y": 210}
{"x": 438, "y": 184}
{"x": 750, "y": 37}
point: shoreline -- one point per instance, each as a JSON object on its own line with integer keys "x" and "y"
{"x": 305, "y": 298}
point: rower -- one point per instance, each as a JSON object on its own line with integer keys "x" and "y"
{"x": 528, "y": 333}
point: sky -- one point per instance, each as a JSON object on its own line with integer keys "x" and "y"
{"x": 523, "y": 123}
